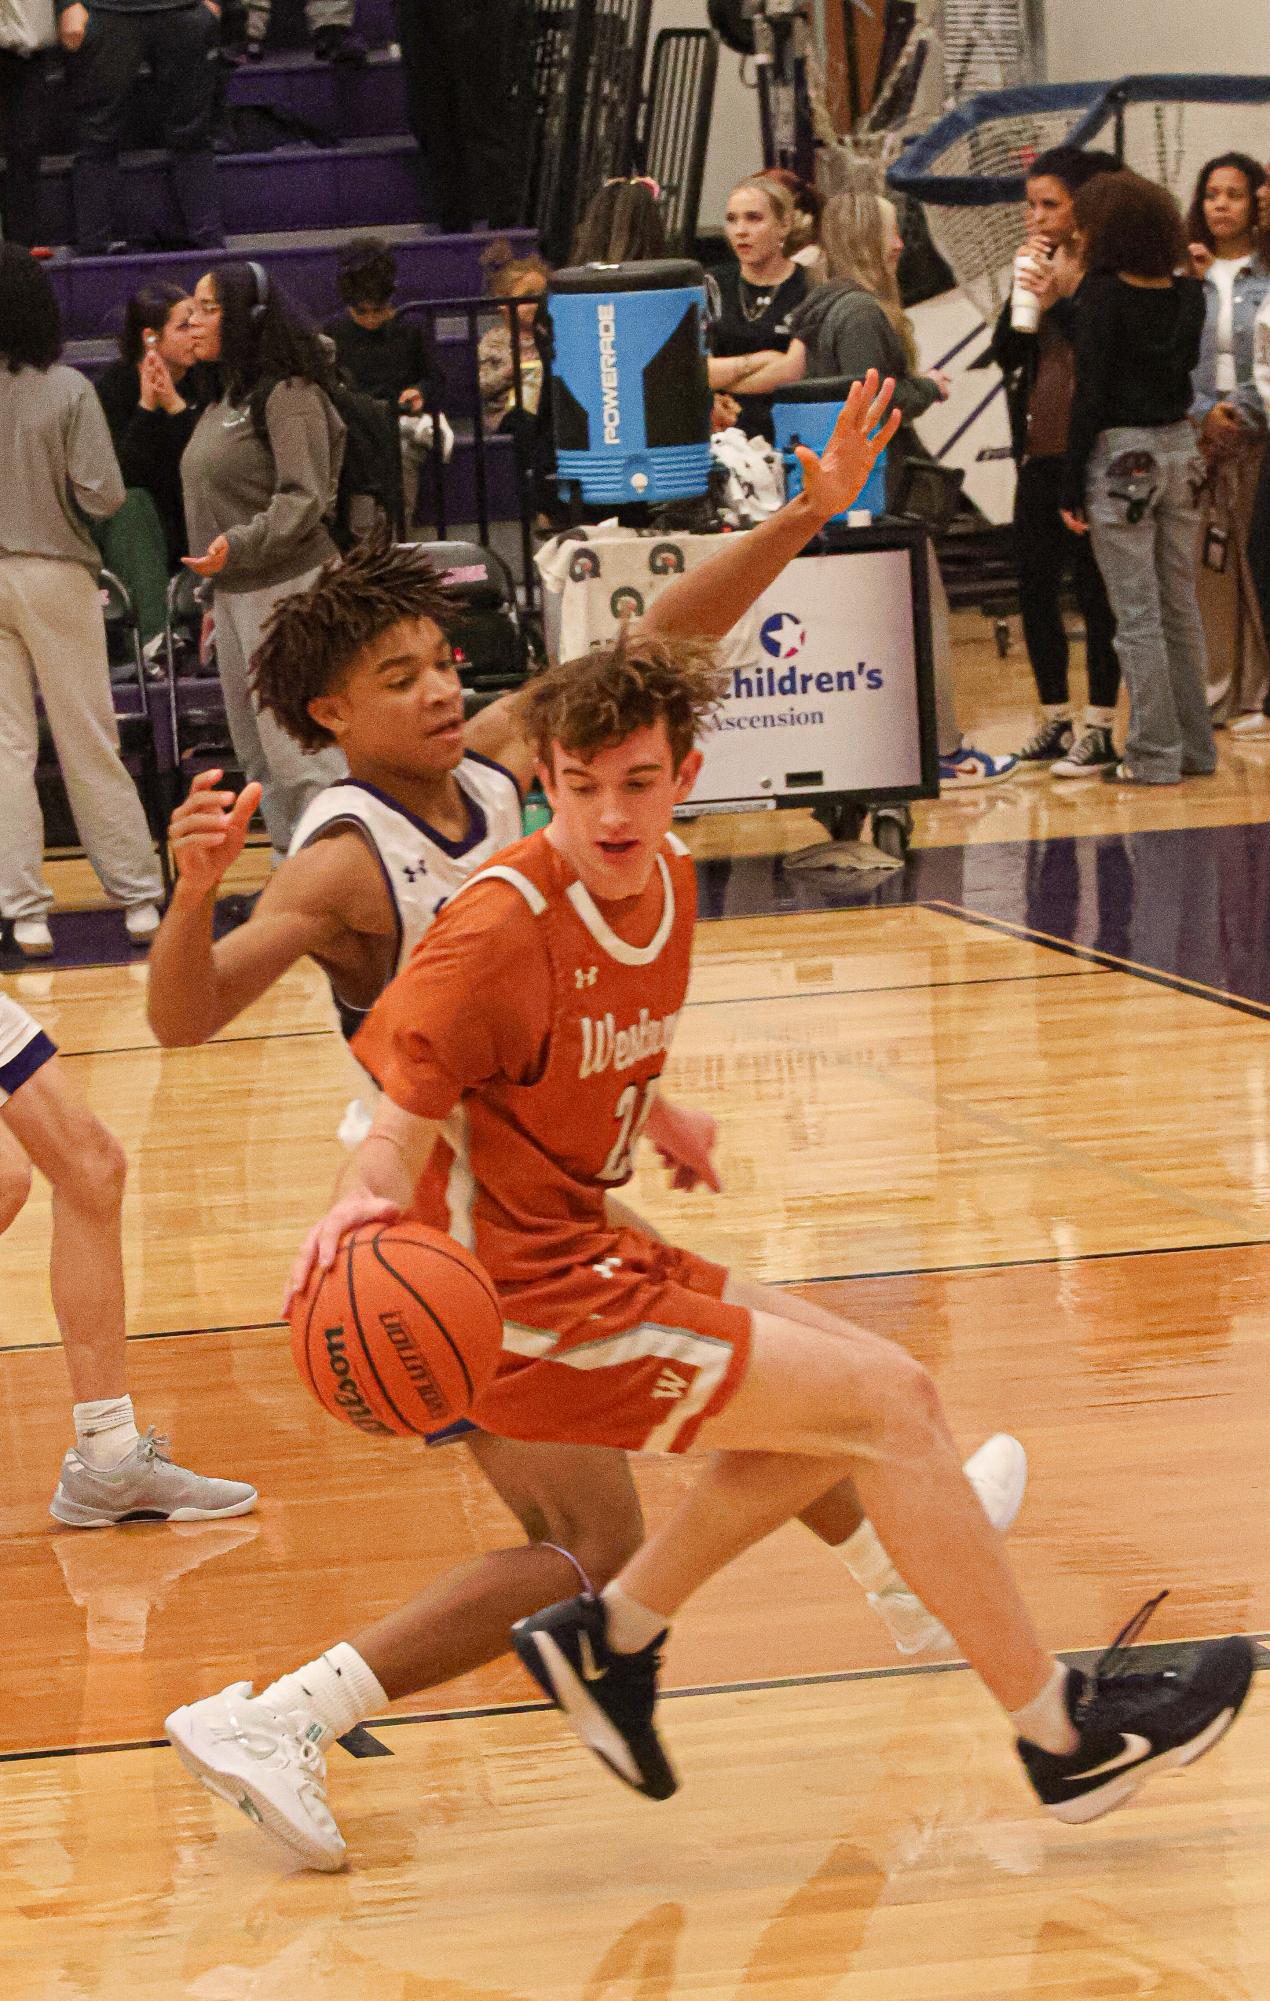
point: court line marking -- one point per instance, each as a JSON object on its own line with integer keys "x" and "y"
{"x": 184, "y": 1333}
{"x": 1177, "y": 982}
{"x": 213, "y": 1042}
{"x": 904, "y": 987}
{"x": 908, "y": 1670}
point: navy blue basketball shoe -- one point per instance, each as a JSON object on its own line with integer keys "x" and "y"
{"x": 1133, "y": 1724}
{"x": 608, "y": 1697}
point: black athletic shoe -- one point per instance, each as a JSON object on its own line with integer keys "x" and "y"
{"x": 1134, "y": 1724}
{"x": 609, "y": 1698}
{"x": 1054, "y": 737}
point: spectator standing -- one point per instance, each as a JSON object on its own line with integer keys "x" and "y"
{"x": 1257, "y": 550}
{"x": 468, "y": 90}
{"x": 757, "y": 294}
{"x": 61, "y": 472}
{"x": 152, "y": 397}
{"x": 108, "y": 44}
{"x": 27, "y": 29}
{"x": 852, "y": 323}
{"x": 1227, "y": 253}
{"x": 1133, "y": 474}
{"x": 260, "y": 477}
{"x": 1040, "y": 376}
{"x": 388, "y": 357}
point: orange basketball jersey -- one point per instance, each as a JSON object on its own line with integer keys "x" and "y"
{"x": 525, "y": 1166}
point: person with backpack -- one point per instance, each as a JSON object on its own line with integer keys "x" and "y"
{"x": 261, "y": 484}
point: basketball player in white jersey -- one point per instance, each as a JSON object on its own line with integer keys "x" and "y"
{"x": 362, "y": 660}
{"x": 112, "y": 1473}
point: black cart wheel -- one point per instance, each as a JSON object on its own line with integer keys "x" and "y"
{"x": 1001, "y": 633}
{"x": 892, "y": 829}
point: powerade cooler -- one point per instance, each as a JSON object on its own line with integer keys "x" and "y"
{"x": 805, "y": 414}
{"x": 630, "y": 396}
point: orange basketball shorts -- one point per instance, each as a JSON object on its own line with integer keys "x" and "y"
{"x": 641, "y": 1371}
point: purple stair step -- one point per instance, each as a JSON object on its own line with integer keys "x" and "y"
{"x": 367, "y": 103}
{"x": 92, "y": 291}
{"x": 368, "y": 182}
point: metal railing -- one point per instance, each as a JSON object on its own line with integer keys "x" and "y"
{"x": 676, "y": 129}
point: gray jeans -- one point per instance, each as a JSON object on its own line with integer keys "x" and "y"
{"x": 290, "y": 776}
{"x": 1143, "y": 510}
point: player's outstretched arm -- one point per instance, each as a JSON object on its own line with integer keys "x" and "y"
{"x": 195, "y": 984}
{"x": 707, "y": 601}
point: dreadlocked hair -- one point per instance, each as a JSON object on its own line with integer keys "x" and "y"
{"x": 312, "y": 638}
{"x": 605, "y": 696}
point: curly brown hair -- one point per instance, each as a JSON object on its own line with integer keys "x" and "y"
{"x": 602, "y": 698}
{"x": 313, "y": 638}
{"x": 1130, "y": 225}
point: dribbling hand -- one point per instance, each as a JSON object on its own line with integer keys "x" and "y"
{"x": 684, "y": 1141}
{"x": 208, "y": 830}
{"x": 832, "y": 481}
{"x": 317, "y": 1252}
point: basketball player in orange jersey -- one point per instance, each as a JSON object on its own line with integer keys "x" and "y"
{"x": 363, "y": 659}
{"x": 112, "y": 1473}
{"x": 520, "y": 1055}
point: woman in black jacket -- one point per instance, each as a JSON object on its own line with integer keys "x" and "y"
{"x": 153, "y": 397}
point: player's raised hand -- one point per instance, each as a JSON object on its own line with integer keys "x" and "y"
{"x": 208, "y": 830}
{"x": 317, "y": 1252}
{"x": 862, "y": 432}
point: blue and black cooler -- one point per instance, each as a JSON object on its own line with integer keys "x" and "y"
{"x": 630, "y": 394}
{"x": 805, "y": 414}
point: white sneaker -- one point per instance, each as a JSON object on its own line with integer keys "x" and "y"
{"x": 268, "y": 1764}
{"x": 141, "y": 922}
{"x": 998, "y": 1474}
{"x": 1248, "y": 728}
{"x": 32, "y": 937}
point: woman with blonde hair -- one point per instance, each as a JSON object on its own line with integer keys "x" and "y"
{"x": 852, "y": 323}
{"x": 756, "y": 297}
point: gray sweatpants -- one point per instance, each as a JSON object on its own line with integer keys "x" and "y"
{"x": 290, "y": 776}
{"x": 318, "y": 14}
{"x": 52, "y": 638}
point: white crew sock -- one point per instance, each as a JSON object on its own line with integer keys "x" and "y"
{"x": 105, "y": 1432}
{"x": 911, "y": 1626}
{"x": 631, "y": 1626}
{"x": 1099, "y": 719}
{"x": 1056, "y": 712}
{"x": 1045, "y": 1721}
{"x": 338, "y": 1688}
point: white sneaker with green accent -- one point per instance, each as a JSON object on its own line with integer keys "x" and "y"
{"x": 266, "y": 1762}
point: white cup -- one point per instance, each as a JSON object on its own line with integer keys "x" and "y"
{"x": 860, "y": 517}
{"x": 1025, "y": 307}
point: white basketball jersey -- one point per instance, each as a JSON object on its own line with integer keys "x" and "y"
{"x": 422, "y": 868}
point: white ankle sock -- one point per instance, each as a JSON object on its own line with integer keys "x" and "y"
{"x": 338, "y": 1688}
{"x": 105, "y": 1431}
{"x": 910, "y": 1625}
{"x": 631, "y": 1626}
{"x": 1057, "y": 712}
{"x": 1044, "y": 1720}
{"x": 1099, "y": 719}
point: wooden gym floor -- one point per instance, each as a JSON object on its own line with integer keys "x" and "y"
{"x": 1041, "y": 1164}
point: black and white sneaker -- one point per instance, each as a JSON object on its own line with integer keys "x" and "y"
{"x": 1053, "y": 738}
{"x": 1132, "y": 1724}
{"x": 608, "y": 1697}
{"x": 1091, "y": 753}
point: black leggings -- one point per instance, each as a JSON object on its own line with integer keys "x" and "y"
{"x": 21, "y": 99}
{"x": 1045, "y": 549}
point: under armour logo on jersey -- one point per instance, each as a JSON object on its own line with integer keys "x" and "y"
{"x": 585, "y": 977}
{"x": 670, "y": 1384}
{"x": 415, "y": 871}
{"x": 608, "y": 1267}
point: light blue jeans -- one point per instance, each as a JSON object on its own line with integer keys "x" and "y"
{"x": 1141, "y": 499}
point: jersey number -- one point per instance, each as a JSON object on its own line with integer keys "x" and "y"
{"x": 630, "y": 1111}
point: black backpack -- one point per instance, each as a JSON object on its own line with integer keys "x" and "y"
{"x": 370, "y": 484}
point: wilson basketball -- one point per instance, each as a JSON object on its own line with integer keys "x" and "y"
{"x": 401, "y": 1334}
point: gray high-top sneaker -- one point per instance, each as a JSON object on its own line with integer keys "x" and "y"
{"x": 144, "y": 1487}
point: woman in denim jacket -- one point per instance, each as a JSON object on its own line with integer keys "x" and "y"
{"x": 1226, "y": 251}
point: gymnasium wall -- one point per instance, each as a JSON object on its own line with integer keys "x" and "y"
{"x": 1087, "y": 38}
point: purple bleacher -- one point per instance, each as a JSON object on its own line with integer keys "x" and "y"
{"x": 366, "y": 183}
{"x": 92, "y": 291}
{"x": 365, "y": 103}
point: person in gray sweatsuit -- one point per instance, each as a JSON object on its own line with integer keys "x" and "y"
{"x": 259, "y": 479}
{"x": 60, "y": 473}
